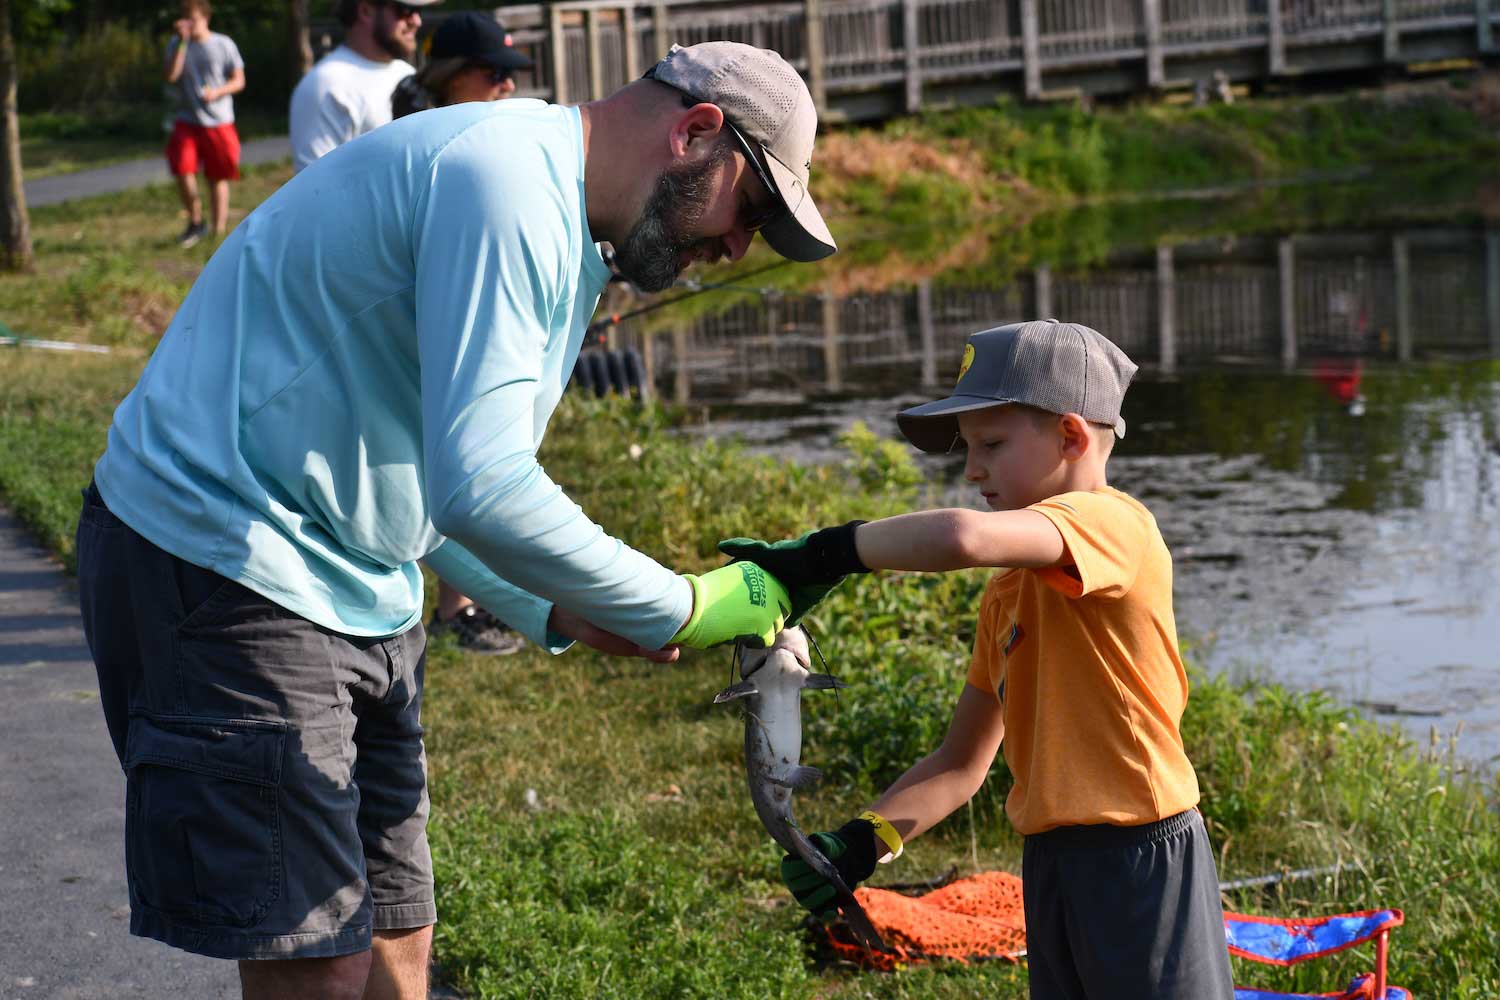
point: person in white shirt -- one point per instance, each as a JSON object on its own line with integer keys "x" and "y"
{"x": 348, "y": 93}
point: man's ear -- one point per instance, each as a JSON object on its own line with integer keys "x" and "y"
{"x": 1077, "y": 438}
{"x": 695, "y": 130}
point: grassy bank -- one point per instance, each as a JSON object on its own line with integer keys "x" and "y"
{"x": 955, "y": 164}
{"x": 591, "y": 829}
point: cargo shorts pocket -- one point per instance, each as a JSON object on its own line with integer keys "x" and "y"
{"x": 202, "y": 821}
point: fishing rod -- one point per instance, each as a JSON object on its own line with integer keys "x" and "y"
{"x": 614, "y": 319}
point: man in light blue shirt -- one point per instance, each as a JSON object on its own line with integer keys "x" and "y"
{"x": 359, "y": 379}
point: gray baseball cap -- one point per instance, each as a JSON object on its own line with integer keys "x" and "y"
{"x": 767, "y": 102}
{"x": 1058, "y": 367}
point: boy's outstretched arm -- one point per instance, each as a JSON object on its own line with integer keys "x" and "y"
{"x": 928, "y": 541}
{"x": 935, "y": 541}
{"x": 929, "y": 790}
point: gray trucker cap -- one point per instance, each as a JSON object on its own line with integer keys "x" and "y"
{"x": 762, "y": 96}
{"x": 1058, "y": 367}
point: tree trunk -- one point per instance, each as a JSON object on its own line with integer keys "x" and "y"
{"x": 301, "y": 41}
{"x": 15, "y": 227}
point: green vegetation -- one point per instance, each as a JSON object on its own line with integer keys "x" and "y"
{"x": 591, "y": 829}
{"x": 952, "y": 164}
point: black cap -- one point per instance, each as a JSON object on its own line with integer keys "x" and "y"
{"x": 478, "y": 38}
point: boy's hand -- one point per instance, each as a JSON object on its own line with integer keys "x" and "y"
{"x": 810, "y": 566}
{"x": 738, "y": 601}
{"x": 852, "y": 849}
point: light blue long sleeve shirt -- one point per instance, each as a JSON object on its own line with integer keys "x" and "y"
{"x": 361, "y": 377}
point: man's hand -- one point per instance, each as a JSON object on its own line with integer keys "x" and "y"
{"x": 566, "y": 623}
{"x": 208, "y": 94}
{"x": 740, "y": 601}
{"x": 851, "y": 848}
{"x": 809, "y": 566}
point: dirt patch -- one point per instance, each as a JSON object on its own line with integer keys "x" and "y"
{"x": 147, "y": 312}
{"x": 889, "y": 160}
{"x": 1483, "y": 98}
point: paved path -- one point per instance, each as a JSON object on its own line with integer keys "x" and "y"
{"x": 64, "y": 933}
{"x": 137, "y": 173}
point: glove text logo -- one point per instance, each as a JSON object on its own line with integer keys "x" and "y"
{"x": 755, "y": 582}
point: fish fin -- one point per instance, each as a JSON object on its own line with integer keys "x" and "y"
{"x": 740, "y": 690}
{"x": 859, "y": 925}
{"x": 822, "y": 682}
{"x": 801, "y": 777}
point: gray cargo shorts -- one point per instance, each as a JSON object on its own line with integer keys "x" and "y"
{"x": 275, "y": 778}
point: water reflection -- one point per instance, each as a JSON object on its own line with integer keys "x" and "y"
{"x": 1316, "y": 425}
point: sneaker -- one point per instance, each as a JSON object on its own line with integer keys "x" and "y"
{"x": 478, "y": 631}
{"x": 194, "y": 232}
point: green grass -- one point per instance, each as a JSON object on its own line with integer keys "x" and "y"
{"x": 641, "y": 872}
{"x": 615, "y": 884}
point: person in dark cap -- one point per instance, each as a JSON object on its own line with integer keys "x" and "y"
{"x": 1075, "y": 667}
{"x": 471, "y": 58}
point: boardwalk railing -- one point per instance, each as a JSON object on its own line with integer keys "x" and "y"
{"x": 869, "y": 58}
{"x": 1274, "y": 302}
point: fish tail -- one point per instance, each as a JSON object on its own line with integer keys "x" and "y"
{"x": 854, "y": 914}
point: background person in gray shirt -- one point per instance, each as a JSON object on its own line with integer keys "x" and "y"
{"x": 207, "y": 69}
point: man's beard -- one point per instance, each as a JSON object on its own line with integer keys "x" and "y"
{"x": 385, "y": 37}
{"x": 650, "y": 254}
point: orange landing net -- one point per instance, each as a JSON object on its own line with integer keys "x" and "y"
{"x": 973, "y": 919}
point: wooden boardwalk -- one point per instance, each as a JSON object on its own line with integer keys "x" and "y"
{"x": 868, "y": 59}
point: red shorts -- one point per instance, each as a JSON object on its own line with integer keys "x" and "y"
{"x": 218, "y": 146}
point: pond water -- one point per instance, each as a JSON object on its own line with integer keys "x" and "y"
{"x": 1316, "y": 425}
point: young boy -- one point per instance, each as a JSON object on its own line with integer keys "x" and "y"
{"x": 207, "y": 70}
{"x": 1075, "y": 666}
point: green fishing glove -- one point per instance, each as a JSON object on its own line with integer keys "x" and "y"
{"x": 738, "y": 601}
{"x": 810, "y": 566}
{"x": 852, "y": 848}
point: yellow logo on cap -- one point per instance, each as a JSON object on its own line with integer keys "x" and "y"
{"x": 968, "y": 360}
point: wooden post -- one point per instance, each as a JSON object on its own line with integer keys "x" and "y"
{"x": 1156, "y": 72}
{"x": 648, "y": 362}
{"x": 1031, "y": 48}
{"x": 832, "y": 351}
{"x": 682, "y": 387}
{"x": 1042, "y": 285}
{"x": 1484, "y": 31}
{"x": 559, "y": 46}
{"x": 1492, "y": 289}
{"x": 1276, "y": 37}
{"x": 927, "y": 330}
{"x": 812, "y": 15}
{"x": 629, "y": 37}
{"x": 661, "y": 31}
{"x": 596, "y": 57}
{"x": 1388, "y": 17}
{"x": 1286, "y": 274}
{"x": 1401, "y": 258}
{"x": 909, "y": 31}
{"x": 1166, "y": 310}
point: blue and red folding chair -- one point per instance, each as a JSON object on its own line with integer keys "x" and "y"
{"x": 1288, "y": 942}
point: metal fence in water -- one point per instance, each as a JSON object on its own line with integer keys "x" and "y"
{"x": 1263, "y": 302}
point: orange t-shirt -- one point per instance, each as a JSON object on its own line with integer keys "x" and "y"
{"x": 1085, "y": 663}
